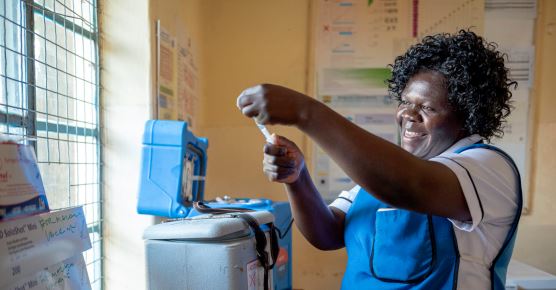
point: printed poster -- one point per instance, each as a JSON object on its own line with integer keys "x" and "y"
{"x": 167, "y": 97}
{"x": 188, "y": 85}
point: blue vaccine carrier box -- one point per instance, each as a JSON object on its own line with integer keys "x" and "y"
{"x": 173, "y": 170}
{"x": 173, "y": 167}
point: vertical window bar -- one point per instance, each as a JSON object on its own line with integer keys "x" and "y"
{"x": 21, "y": 76}
{"x": 46, "y": 113}
{"x": 58, "y": 73}
{"x": 67, "y": 102}
{"x": 70, "y": 157}
{"x": 99, "y": 171}
{"x": 4, "y": 77}
{"x": 30, "y": 118}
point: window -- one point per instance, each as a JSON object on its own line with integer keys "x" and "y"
{"x": 49, "y": 94}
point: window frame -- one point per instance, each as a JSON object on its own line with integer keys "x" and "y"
{"x": 25, "y": 117}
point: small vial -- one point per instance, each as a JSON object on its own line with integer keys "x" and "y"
{"x": 265, "y": 132}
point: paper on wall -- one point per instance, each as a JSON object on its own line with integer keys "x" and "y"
{"x": 188, "y": 84}
{"x": 373, "y": 113}
{"x": 166, "y": 74}
{"x": 21, "y": 188}
{"x": 71, "y": 274}
{"x": 30, "y": 244}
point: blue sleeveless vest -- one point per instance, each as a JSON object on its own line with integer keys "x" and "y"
{"x": 399, "y": 249}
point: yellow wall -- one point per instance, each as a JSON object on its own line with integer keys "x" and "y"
{"x": 537, "y": 232}
{"x": 128, "y": 72}
{"x": 249, "y": 42}
{"x": 125, "y": 99}
{"x": 238, "y": 44}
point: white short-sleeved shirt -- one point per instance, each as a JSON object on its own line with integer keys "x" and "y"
{"x": 489, "y": 184}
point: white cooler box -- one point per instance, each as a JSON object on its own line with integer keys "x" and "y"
{"x": 205, "y": 252}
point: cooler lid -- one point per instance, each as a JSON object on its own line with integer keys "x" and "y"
{"x": 205, "y": 227}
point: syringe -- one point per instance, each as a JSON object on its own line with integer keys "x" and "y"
{"x": 265, "y": 132}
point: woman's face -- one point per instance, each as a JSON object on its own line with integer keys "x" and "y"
{"x": 428, "y": 126}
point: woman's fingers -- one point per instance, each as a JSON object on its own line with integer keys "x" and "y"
{"x": 282, "y": 161}
{"x": 275, "y": 150}
{"x": 273, "y": 104}
{"x": 277, "y": 173}
{"x": 243, "y": 100}
{"x": 250, "y": 111}
{"x": 248, "y": 97}
{"x": 277, "y": 165}
{"x": 251, "y": 103}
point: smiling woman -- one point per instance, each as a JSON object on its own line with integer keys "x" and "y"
{"x": 438, "y": 213}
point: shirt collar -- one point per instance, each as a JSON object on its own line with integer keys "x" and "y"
{"x": 472, "y": 139}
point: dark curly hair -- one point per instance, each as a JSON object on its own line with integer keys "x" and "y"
{"x": 475, "y": 76}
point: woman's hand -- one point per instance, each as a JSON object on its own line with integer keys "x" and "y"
{"x": 283, "y": 161}
{"x": 273, "y": 104}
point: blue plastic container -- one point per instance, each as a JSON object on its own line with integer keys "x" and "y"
{"x": 170, "y": 153}
{"x": 173, "y": 169}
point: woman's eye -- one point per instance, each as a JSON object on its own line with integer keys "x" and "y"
{"x": 427, "y": 108}
{"x": 404, "y": 102}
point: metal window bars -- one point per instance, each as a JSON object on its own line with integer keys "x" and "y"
{"x": 49, "y": 94}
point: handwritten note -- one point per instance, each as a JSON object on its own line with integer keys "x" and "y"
{"x": 71, "y": 274}
{"x": 34, "y": 243}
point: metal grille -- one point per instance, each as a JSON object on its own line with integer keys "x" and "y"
{"x": 49, "y": 92}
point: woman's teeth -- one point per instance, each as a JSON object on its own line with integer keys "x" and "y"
{"x": 412, "y": 134}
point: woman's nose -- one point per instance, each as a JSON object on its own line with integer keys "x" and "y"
{"x": 411, "y": 112}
